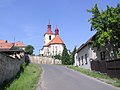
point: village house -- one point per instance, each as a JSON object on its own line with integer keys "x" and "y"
{"x": 53, "y": 44}
{"x": 5, "y": 45}
{"x": 19, "y": 44}
{"x": 84, "y": 55}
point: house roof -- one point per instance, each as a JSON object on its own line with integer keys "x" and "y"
{"x": 83, "y": 45}
{"x": 55, "y": 40}
{"x": 3, "y": 41}
{"x": 4, "y": 50}
{"x": 19, "y": 44}
{"x": 6, "y": 46}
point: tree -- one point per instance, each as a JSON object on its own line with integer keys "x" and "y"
{"x": 29, "y": 49}
{"x": 72, "y": 56}
{"x": 65, "y": 57}
{"x": 107, "y": 25}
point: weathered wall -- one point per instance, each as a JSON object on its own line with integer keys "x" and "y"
{"x": 43, "y": 60}
{"x": 35, "y": 59}
{"x": 9, "y": 67}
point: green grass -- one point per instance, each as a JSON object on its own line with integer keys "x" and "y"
{"x": 100, "y": 76}
{"x": 28, "y": 79}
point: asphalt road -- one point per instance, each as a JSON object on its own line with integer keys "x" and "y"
{"x": 55, "y": 77}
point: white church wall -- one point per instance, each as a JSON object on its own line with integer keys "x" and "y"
{"x": 46, "y": 38}
{"x": 56, "y": 49}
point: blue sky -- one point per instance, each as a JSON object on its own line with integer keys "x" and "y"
{"x": 27, "y": 20}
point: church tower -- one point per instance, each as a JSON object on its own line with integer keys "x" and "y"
{"x": 53, "y": 44}
{"x": 49, "y": 35}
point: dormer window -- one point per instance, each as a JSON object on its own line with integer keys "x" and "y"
{"x": 50, "y": 37}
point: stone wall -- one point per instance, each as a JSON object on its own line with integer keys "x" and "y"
{"x": 43, "y": 60}
{"x": 9, "y": 66}
{"x": 35, "y": 59}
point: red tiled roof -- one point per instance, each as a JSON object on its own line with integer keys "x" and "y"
{"x": 49, "y": 31}
{"x": 3, "y": 41}
{"x": 83, "y": 45}
{"x": 19, "y": 44}
{"x": 56, "y": 40}
{"x": 6, "y": 45}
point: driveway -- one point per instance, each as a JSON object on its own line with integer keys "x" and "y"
{"x": 55, "y": 77}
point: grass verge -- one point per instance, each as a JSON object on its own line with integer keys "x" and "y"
{"x": 28, "y": 79}
{"x": 100, "y": 76}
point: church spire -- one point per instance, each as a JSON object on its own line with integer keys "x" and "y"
{"x": 49, "y": 26}
{"x": 56, "y": 31}
{"x": 49, "y": 31}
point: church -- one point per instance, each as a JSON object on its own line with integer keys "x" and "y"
{"x": 53, "y": 44}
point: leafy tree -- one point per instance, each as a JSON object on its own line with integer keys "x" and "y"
{"x": 119, "y": 54}
{"x": 29, "y": 49}
{"x": 107, "y": 25}
{"x": 65, "y": 57}
{"x": 72, "y": 56}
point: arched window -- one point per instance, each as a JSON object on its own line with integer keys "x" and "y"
{"x": 50, "y": 37}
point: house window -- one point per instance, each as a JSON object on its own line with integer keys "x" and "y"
{"x": 86, "y": 58}
{"x": 50, "y": 37}
{"x": 82, "y": 60}
{"x": 102, "y": 55}
{"x": 76, "y": 57}
{"x": 112, "y": 54}
{"x": 79, "y": 61}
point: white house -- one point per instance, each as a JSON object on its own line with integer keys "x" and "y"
{"x": 53, "y": 44}
{"x": 84, "y": 55}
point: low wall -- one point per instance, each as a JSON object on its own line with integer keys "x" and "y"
{"x": 43, "y": 60}
{"x": 35, "y": 59}
{"x": 9, "y": 66}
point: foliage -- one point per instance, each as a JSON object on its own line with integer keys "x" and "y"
{"x": 57, "y": 57}
{"x": 28, "y": 79}
{"x": 107, "y": 25}
{"x": 65, "y": 57}
{"x": 72, "y": 56}
{"x": 118, "y": 54}
{"x": 29, "y": 49}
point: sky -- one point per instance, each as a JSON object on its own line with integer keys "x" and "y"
{"x": 26, "y": 20}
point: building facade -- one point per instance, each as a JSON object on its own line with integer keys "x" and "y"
{"x": 84, "y": 55}
{"x": 53, "y": 44}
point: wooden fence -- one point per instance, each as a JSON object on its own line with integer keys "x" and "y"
{"x": 111, "y": 67}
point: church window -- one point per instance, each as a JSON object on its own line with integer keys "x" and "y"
{"x": 50, "y": 37}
